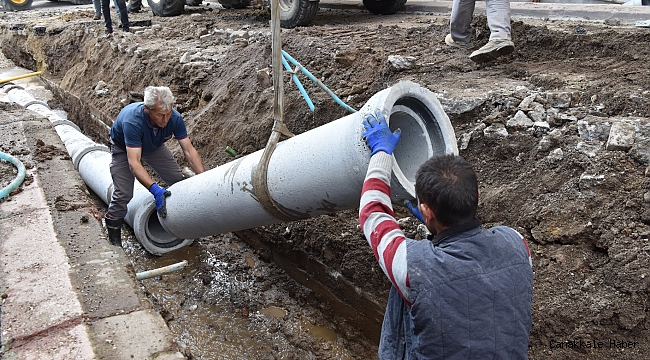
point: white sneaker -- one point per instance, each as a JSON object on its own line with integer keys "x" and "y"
{"x": 492, "y": 50}
{"x": 449, "y": 41}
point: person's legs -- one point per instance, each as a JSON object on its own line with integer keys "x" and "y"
{"x": 460, "y": 23}
{"x": 117, "y": 8}
{"x": 123, "y": 182}
{"x": 124, "y": 15}
{"x": 97, "y": 5}
{"x": 498, "y": 17}
{"x": 163, "y": 162}
{"x": 106, "y": 11}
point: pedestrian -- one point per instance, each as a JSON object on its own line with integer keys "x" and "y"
{"x": 139, "y": 133}
{"x": 464, "y": 292}
{"x": 97, "y": 4}
{"x": 498, "y": 17}
{"x": 122, "y": 13}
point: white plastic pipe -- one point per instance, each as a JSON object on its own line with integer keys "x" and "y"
{"x": 320, "y": 171}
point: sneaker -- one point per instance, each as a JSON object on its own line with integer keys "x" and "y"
{"x": 492, "y": 50}
{"x": 108, "y": 32}
{"x": 97, "y": 16}
{"x": 449, "y": 41}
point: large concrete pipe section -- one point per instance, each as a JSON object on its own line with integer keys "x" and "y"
{"x": 317, "y": 172}
{"x": 93, "y": 160}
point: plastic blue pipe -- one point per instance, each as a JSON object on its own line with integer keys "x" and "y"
{"x": 318, "y": 82}
{"x": 298, "y": 84}
{"x": 18, "y": 180}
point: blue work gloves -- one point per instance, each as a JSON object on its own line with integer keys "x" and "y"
{"x": 415, "y": 210}
{"x": 160, "y": 194}
{"x": 378, "y": 135}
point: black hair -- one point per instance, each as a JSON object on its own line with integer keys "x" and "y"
{"x": 448, "y": 185}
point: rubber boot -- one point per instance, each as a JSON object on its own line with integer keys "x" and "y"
{"x": 114, "y": 228}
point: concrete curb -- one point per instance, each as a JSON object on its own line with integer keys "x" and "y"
{"x": 597, "y": 12}
{"x": 67, "y": 293}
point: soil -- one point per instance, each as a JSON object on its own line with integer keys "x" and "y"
{"x": 583, "y": 206}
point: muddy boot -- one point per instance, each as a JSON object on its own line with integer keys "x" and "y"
{"x": 114, "y": 228}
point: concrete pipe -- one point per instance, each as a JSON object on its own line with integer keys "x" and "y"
{"x": 317, "y": 172}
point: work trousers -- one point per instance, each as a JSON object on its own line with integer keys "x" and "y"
{"x": 498, "y": 18}
{"x": 120, "y": 5}
{"x": 161, "y": 160}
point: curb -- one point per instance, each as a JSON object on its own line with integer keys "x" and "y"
{"x": 67, "y": 293}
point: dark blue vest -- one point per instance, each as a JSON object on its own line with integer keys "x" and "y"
{"x": 471, "y": 291}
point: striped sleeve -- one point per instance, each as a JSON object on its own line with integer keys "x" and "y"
{"x": 530, "y": 259}
{"x": 379, "y": 225}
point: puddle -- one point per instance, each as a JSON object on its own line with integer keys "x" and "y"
{"x": 250, "y": 262}
{"x": 321, "y": 332}
{"x": 274, "y": 311}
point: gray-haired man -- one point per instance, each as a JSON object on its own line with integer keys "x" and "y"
{"x": 139, "y": 133}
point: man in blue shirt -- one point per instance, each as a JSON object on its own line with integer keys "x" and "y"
{"x": 139, "y": 133}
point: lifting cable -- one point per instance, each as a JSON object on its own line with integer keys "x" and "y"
{"x": 260, "y": 172}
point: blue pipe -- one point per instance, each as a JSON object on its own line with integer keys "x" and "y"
{"x": 18, "y": 180}
{"x": 298, "y": 84}
{"x": 318, "y": 82}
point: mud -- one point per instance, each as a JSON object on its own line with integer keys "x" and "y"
{"x": 584, "y": 208}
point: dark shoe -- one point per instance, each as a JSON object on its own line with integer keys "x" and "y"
{"x": 492, "y": 50}
{"x": 125, "y": 29}
{"x": 108, "y": 32}
{"x": 97, "y": 16}
{"x": 114, "y": 229}
{"x": 133, "y": 11}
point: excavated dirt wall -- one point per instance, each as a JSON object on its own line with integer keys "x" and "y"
{"x": 535, "y": 124}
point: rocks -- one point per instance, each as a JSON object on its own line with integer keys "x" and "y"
{"x": 399, "y": 62}
{"x": 621, "y": 136}
{"x": 519, "y": 121}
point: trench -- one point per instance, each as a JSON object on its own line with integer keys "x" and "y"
{"x": 239, "y": 296}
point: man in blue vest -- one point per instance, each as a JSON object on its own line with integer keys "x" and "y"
{"x": 463, "y": 293}
{"x": 139, "y": 133}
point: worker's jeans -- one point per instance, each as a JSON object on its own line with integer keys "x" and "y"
{"x": 120, "y": 6}
{"x": 498, "y": 17}
{"x": 161, "y": 160}
{"x": 97, "y": 4}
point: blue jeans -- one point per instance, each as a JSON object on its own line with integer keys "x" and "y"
{"x": 97, "y": 4}
{"x": 121, "y": 10}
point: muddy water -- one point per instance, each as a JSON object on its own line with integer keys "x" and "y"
{"x": 226, "y": 303}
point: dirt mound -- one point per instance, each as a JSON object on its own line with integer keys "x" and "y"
{"x": 535, "y": 124}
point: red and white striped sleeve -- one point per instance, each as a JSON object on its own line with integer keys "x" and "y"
{"x": 379, "y": 225}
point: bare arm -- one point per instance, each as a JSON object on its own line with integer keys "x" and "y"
{"x": 134, "y": 155}
{"x": 191, "y": 155}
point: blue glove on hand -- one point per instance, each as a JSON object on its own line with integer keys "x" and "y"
{"x": 160, "y": 194}
{"x": 378, "y": 135}
{"x": 415, "y": 210}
